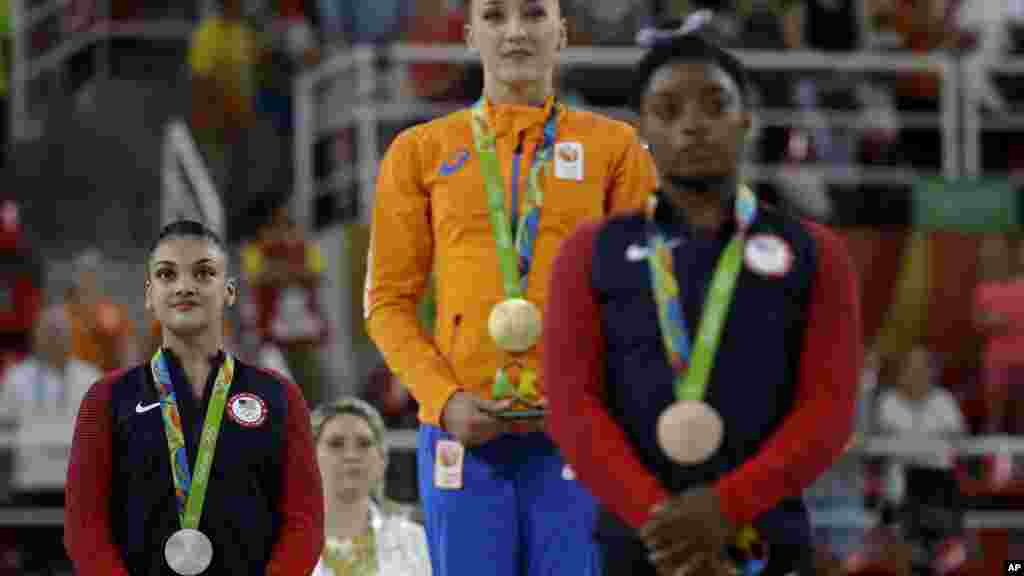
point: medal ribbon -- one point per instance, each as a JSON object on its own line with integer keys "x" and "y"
{"x": 691, "y": 375}
{"x": 515, "y": 258}
{"x": 189, "y": 488}
{"x": 514, "y": 255}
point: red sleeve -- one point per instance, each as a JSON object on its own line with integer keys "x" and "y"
{"x": 87, "y": 529}
{"x": 821, "y": 422}
{"x": 301, "y": 505}
{"x": 574, "y": 381}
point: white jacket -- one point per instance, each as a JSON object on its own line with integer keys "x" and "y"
{"x": 401, "y": 547}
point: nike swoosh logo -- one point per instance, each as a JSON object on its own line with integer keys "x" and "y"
{"x": 140, "y": 409}
{"x": 636, "y": 252}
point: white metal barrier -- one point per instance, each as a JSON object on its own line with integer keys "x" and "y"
{"x": 181, "y": 161}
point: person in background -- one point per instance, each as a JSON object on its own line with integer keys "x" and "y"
{"x": 41, "y": 395}
{"x": 922, "y": 486}
{"x": 223, "y": 57}
{"x": 101, "y": 332}
{"x": 20, "y": 292}
{"x": 999, "y": 316}
{"x": 44, "y": 392}
{"x": 366, "y": 535}
{"x": 482, "y": 199}
{"x": 922, "y": 26}
{"x": 284, "y": 271}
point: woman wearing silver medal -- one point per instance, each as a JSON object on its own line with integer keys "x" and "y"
{"x": 193, "y": 463}
{"x": 481, "y": 200}
{"x": 366, "y": 534}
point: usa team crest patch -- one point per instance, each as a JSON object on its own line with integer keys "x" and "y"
{"x": 768, "y": 255}
{"x": 247, "y": 410}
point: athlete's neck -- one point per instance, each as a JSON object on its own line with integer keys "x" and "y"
{"x": 194, "y": 353}
{"x": 700, "y": 198}
{"x": 525, "y": 94}
{"x": 346, "y": 518}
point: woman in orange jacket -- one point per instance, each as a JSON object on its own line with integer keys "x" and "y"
{"x": 481, "y": 200}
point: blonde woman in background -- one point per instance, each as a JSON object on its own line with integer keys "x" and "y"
{"x": 366, "y": 535}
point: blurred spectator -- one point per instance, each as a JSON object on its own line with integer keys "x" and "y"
{"x": 284, "y": 271}
{"x": 101, "y": 332}
{"x": 437, "y": 22}
{"x": 20, "y": 278}
{"x": 289, "y": 45}
{"x": 999, "y": 315}
{"x": 44, "y": 391}
{"x": 223, "y": 56}
{"x": 884, "y": 553}
{"x": 917, "y": 407}
{"x": 42, "y": 394}
{"x": 347, "y": 23}
{"x": 923, "y": 486}
{"x": 923, "y": 26}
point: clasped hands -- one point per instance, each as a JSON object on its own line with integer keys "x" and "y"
{"x": 471, "y": 420}
{"x": 688, "y": 535}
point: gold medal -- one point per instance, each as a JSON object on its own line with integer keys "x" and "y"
{"x": 515, "y": 325}
{"x": 690, "y": 432}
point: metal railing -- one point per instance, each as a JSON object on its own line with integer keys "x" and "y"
{"x": 183, "y": 171}
{"x": 366, "y": 115}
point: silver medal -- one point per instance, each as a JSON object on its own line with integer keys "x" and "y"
{"x": 188, "y": 552}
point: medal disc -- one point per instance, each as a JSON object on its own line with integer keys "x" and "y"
{"x": 188, "y": 552}
{"x": 515, "y": 325}
{"x": 690, "y": 432}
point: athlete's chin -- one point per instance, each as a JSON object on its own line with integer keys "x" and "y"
{"x": 186, "y": 327}
{"x": 522, "y": 77}
{"x": 348, "y": 492}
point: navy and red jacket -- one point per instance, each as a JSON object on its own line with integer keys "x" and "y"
{"x": 264, "y": 504}
{"x": 784, "y": 379}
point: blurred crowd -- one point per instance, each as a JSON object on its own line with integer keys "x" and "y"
{"x": 948, "y": 366}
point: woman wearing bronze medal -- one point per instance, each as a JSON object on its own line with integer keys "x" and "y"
{"x": 366, "y": 534}
{"x": 193, "y": 463}
{"x": 481, "y": 200}
{"x": 711, "y": 342}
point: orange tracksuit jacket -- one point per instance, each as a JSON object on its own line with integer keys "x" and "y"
{"x": 430, "y": 216}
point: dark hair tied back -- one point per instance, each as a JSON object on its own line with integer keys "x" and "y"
{"x": 687, "y": 40}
